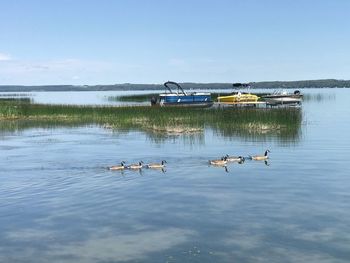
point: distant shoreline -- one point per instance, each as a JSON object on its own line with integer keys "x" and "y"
{"x": 324, "y": 83}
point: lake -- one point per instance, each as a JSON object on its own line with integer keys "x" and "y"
{"x": 60, "y": 203}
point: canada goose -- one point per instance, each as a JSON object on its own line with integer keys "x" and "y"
{"x": 118, "y": 167}
{"x": 239, "y": 159}
{"x": 261, "y": 157}
{"x": 156, "y": 165}
{"x": 221, "y": 162}
{"x": 135, "y": 166}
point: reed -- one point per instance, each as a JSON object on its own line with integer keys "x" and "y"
{"x": 227, "y": 121}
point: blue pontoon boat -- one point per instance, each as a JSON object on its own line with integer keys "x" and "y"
{"x": 182, "y": 98}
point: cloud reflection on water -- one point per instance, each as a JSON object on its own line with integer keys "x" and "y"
{"x": 127, "y": 247}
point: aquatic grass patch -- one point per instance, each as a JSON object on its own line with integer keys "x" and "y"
{"x": 226, "y": 121}
{"x": 282, "y": 122}
{"x": 11, "y": 108}
{"x": 145, "y": 114}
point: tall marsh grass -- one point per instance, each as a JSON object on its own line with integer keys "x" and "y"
{"x": 227, "y": 121}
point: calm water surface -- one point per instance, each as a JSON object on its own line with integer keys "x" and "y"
{"x": 59, "y": 203}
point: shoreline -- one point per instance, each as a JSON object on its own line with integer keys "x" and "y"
{"x": 300, "y": 84}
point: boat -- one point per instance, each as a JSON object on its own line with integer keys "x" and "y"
{"x": 182, "y": 98}
{"x": 239, "y": 97}
{"x": 283, "y": 97}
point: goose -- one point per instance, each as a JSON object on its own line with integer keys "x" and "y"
{"x": 239, "y": 159}
{"x": 156, "y": 165}
{"x": 221, "y": 162}
{"x": 261, "y": 157}
{"x": 135, "y": 166}
{"x": 118, "y": 167}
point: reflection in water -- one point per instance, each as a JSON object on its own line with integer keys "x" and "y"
{"x": 266, "y": 162}
{"x": 18, "y": 126}
{"x": 263, "y": 132}
{"x": 104, "y": 245}
{"x": 319, "y": 97}
{"x": 190, "y": 139}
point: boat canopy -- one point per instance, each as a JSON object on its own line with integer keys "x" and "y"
{"x": 179, "y": 88}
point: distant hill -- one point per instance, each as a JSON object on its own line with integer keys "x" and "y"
{"x": 323, "y": 83}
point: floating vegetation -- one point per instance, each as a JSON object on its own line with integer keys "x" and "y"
{"x": 283, "y": 122}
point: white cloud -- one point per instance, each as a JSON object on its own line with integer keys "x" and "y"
{"x": 4, "y": 57}
{"x": 59, "y": 71}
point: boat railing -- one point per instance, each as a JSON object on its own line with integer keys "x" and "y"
{"x": 179, "y": 88}
{"x": 278, "y": 92}
{"x": 242, "y": 88}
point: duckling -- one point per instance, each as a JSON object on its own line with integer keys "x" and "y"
{"x": 221, "y": 162}
{"x": 156, "y": 165}
{"x": 261, "y": 157}
{"x": 135, "y": 166}
{"x": 118, "y": 167}
{"x": 238, "y": 159}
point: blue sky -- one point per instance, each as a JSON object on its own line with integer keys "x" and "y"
{"x": 149, "y": 41}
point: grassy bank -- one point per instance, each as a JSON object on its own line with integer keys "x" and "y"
{"x": 227, "y": 121}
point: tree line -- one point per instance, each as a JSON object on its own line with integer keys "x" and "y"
{"x": 323, "y": 83}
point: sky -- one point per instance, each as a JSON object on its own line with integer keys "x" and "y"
{"x": 87, "y": 42}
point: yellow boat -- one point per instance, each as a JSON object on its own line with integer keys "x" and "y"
{"x": 238, "y": 97}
